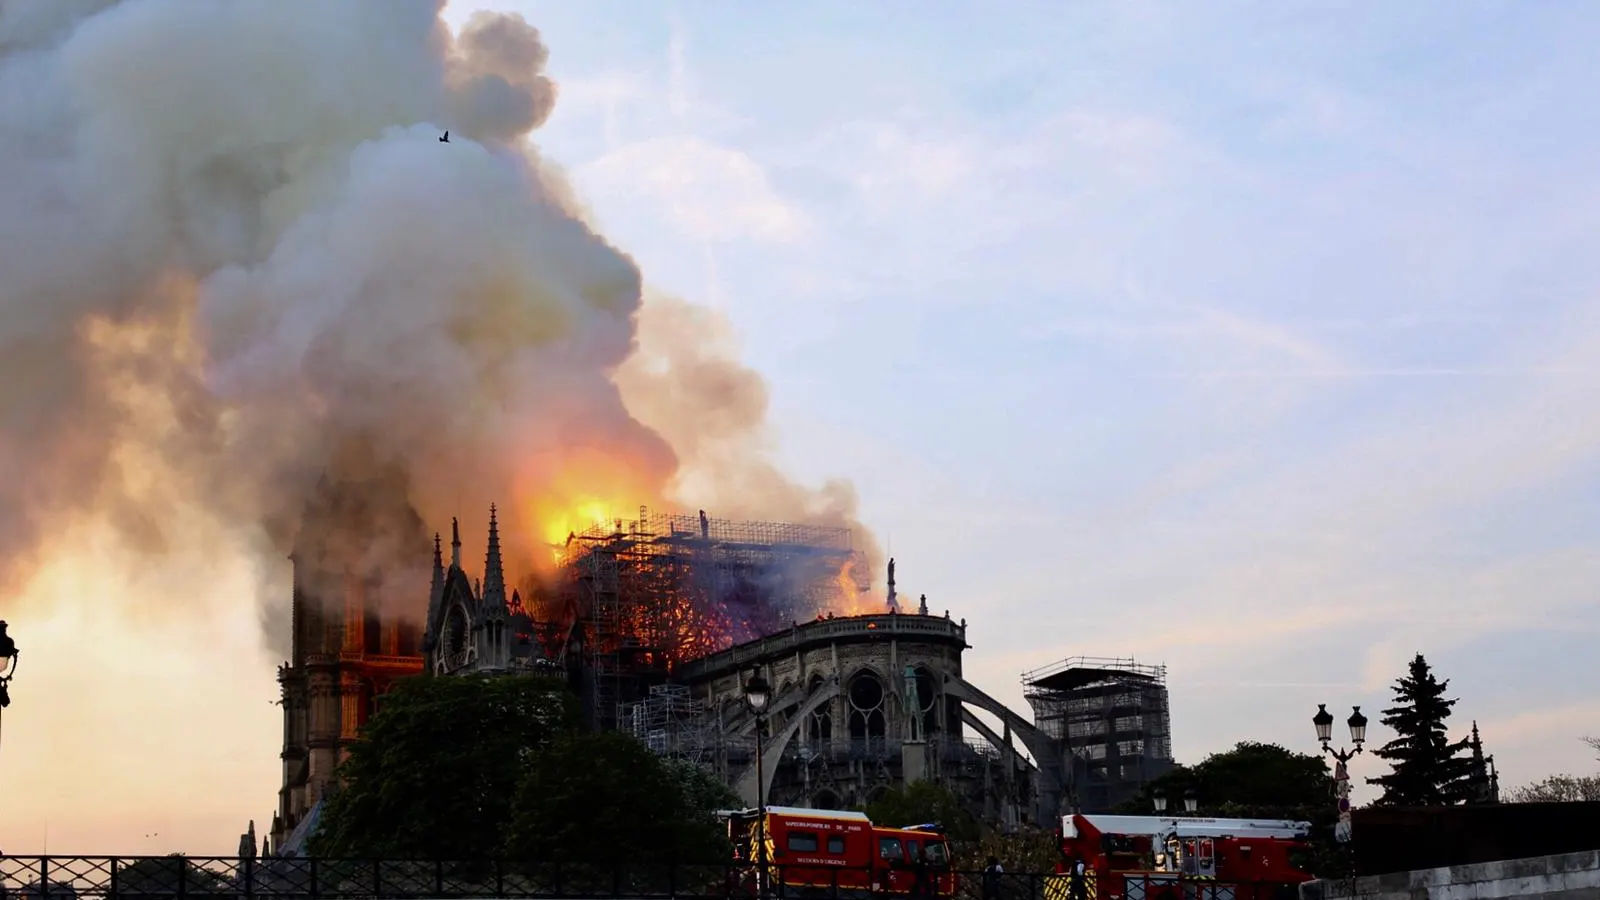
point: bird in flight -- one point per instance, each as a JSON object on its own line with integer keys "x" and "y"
{"x": 445, "y": 139}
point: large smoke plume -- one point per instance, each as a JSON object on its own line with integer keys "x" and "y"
{"x": 241, "y": 277}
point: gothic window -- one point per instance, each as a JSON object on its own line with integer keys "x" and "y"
{"x": 819, "y": 730}
{"x": 455, "y": 631}
{"x": 371, "y": 632}
{"x": 928, "y": 697}
{"x": 410, "y": 642}
{"x": 368, "y": 702}
{"x": 867, "y": 720}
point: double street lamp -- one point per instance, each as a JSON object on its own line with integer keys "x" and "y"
{"x": 1323, "y": 721}
{"x": 8, "y": 664}
{"x": 757, "y": 695}
{"x": 1191, "y": 801}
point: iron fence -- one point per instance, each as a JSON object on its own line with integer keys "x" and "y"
{"x": 197, "y": 877}
{"x": 213, "y": 878}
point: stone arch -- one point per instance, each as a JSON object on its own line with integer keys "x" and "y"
{"x": 825, "y": 799}
{"x": 784, "y": 702}
{"x": 819, "y": 727}
{"x": 930, "y": 697}
{"x": 455, "y": 640}
{"x": 867, "y": 704}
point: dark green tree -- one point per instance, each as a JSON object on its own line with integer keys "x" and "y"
{"x": 1557, "y": 789}
{"x": 922, "y": 802}
{"x": 1252, "y": 780}
{"x": 600, "y": 798}
{"x": 703, "y": 792}
{"x": 1428, "y": 769}
{"x": 161, "y": 876}
{"x": 1026, "y": 849}
{"x": 437, "y": 772}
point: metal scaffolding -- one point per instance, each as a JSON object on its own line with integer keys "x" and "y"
{"x": 672, "y": 723}
{"x": 665, "y": 588}
{"x": 1115, "y": 719}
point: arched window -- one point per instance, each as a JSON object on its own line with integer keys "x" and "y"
{"x": 866, "y": 695}
{"x": 455, "y": 632}
{"x": 819, "y": 731}
{"x": 928, "y": 696}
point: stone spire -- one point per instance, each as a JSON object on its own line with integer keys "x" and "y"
{"x": 247, "y": 842}
{"x": 494, "y": 576}
{"x": 430, "y": 637}
{"x": 922, "y": 606}
{"x": 455, "y": 544}
{"x": 1485, "y": 785}
{"x": 893, "y": 604}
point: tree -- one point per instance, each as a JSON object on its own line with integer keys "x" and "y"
{"x": 703, "y": 792}
{"x": 1027, "y": 849}
{"x": 438, "y": 768}
{"x": 1253, "y": 780}
{"x": 1428, "y": 768}
{"x": 922, "y": 802}
{"x": 173, "y": 874}
{"x": 600, "y": 798}
{"x": 1557, "y": 789}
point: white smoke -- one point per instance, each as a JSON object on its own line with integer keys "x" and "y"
{"x": 236, "y": 260}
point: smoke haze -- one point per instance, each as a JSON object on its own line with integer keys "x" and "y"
{"x": 240, "y": 273}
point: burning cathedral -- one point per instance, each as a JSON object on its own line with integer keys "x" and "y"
{"x": 657, "y": 624}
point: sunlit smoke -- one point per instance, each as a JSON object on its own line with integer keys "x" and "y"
{"x": 241, "y": 279}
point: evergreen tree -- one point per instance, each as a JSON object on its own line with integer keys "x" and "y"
{"x": 1428, "y": 768}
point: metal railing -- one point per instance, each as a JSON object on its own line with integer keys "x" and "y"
{"x": 803, "y": 634}
{"x": 177, "y": 877}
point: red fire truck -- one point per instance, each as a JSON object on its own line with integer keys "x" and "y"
{"x": 1149, "y": 857}
{"x": 813, "y": 852}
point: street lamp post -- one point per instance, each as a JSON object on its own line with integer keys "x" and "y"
{"x": 757, "y": 694}
{"x": 8, "y": 664}
{"x": 1323, "y": 721}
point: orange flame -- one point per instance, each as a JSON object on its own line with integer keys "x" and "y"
{"x": 852, "y": 600}
{"x": 597, "y": 489}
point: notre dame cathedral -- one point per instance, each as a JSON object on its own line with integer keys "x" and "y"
{"x": 352, "y": 639}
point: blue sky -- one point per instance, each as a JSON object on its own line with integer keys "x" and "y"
{"x": 1253, "y": 341}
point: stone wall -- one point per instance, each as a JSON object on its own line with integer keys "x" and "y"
{"x": 843, "y": 727}
{"x": 1567, "y": 876}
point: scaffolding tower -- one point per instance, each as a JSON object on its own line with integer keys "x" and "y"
{"x": 1114, "y": 719}
{"x": 646, "y": 595}
{"x": 672, "y": 723}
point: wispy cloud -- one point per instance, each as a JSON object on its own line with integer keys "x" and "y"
{"x": 704, "y": 191}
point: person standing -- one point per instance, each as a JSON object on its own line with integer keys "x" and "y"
{"x": 1077, "y": 879}
{"x": 991, "y": 878}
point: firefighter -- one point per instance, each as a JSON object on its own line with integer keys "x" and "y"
{"x": 921, "y": 889}
{"x": 1077, "y": 883}
{"x": 991, "y": 878}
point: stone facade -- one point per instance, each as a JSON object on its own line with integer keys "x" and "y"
{"x": 477, "y": 628}
{"x": 860, "y": 704}
{"x": 345, "y": 656}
